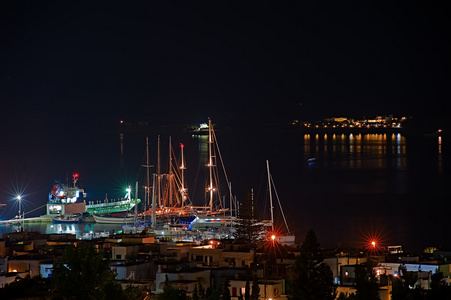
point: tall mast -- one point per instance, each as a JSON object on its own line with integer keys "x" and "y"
{"x": 230, "y": 196}
{"x": 136, "y": 203}
{"x": 158, "y": 174}
{"x": 148, "y": 169}
{"x": 210, "y": 164}
{"x": 170, "y": 174}
{"x": 270, "y": 196}
{"x": 182, "y": 168}
{"x": 153, "y": 218}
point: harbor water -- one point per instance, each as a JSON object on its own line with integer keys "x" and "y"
{"x": 345, "y": 187}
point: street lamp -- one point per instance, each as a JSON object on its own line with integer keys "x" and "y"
{"x": 19, "y": 197}
{"x": 129, "y": 190}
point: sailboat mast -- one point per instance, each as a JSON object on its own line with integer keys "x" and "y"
{"x": 182, "y": 168}
{"x": 270, "y": 195}
{"x": 210, "y": 164}
{"x": 153, "y": 218}
{"x": 158, "y": 174}
{"x": 170, "y": 174}
{"x": 148, "y": 168}
{"x": 230, "y": 196}
{"x": 136, "y": 203}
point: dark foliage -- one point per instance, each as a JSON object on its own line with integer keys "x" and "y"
{"x": 28, "y": 287}
{"x": 366, "y": 282}
{"x": 84, "y": 274}
{"x": 255, "y": 289}
{"x": 225, "y": 290}
{"x": 311, "y": 278}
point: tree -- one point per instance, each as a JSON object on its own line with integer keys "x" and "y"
{"x": 255, "y": 289}
{"x": 311, "y": 278}
{"x": 172, "y": 293}
{"x": 366, "y": 286}
{"x": 247, "y": 292}
{"x": 225, "y": 290}
{"x": 132, "y": 293}
{"x": 195, "y": 295}
{"x": 439, "y": 288}
{"x": 201, "y": 290}
{"x": 248, "y": 230}
{"x": 24, "y": 288}
{"x": 84, "y": 274}
{"x": 404, "y": 286}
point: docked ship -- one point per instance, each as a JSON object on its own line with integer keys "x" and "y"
{"x": 69, "y": 200}
{"x": 112, "y": 206}
{"x": 63, "y": 199}
{"x": 67, "y": 219}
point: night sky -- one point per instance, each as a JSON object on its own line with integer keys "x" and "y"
{"x": 70, "y": 68}
{"x": 172, "y": 62}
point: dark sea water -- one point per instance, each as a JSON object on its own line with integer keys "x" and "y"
{"x": 385, "y": 185}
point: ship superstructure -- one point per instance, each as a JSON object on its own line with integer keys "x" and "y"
{"x": 63, "y": 198}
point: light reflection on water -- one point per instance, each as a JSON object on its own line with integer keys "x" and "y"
{"x": 357, "y": 151}
{"x": 80, "y": 230}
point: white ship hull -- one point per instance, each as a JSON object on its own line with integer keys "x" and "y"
{"x": 203, "y": 222}
{"x": 114, "y": 220}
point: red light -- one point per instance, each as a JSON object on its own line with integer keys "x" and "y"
{"x": 76, "y": 175}
{"x": 181, "y": 145}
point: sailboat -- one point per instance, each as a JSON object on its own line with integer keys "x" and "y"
{"x": 213, "y": 216}
{"x": 282, "y": 238}
{"x": 169, "y": 197}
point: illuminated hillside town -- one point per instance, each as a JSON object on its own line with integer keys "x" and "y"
{"x": 345, "y": 122}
